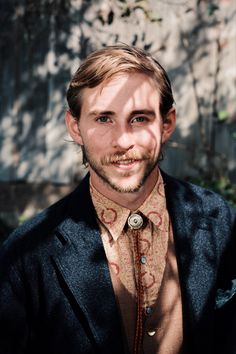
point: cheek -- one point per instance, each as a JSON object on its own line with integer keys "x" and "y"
{"x": 98, "y": 135}
{"x": 149, "y": 140}
{"x": 94, "y": 144}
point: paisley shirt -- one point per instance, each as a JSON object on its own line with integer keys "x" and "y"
{"x": 143, "y": 271}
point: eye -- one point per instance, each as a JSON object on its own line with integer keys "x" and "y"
{"x": 103, "y": 119}
{"x": 139, "y": 119}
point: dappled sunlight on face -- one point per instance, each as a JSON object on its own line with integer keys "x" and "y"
{"x": 121, "y": 131}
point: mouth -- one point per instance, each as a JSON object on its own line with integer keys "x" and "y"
{"x": 124, "y": 162}
{"x": 126, "y": 165}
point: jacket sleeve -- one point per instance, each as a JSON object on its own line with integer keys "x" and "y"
{"x": 225, "y": 321}
{"x": 13, "y": 318}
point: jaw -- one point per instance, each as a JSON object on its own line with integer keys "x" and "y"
{"x": 122, "y": 177}
{"x": 127, "y": 198}
{"x": 122, "y": 180}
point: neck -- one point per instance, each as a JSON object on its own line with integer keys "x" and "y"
{"x": 131, "y": 201}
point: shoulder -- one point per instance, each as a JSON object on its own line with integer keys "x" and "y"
{"x": 38, "y": 233}
{"x": 33, "y": 236}
{"x": 197, "y": 198}
{"x": 45, "y": 221}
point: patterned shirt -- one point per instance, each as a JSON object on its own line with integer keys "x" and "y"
{"x": 144, "y": 272}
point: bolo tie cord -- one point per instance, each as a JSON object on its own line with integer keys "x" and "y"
{"x": 140, "y": 295}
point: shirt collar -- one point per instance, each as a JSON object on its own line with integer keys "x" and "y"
{"x": 114, "y": 217}
{"x": 154, "y": 207}
{"x": 111, "y": 215}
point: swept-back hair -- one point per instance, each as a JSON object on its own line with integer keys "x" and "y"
{"x": 107, "y": 62}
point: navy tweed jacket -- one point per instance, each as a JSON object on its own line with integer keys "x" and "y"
{"x": 56, "y": 295}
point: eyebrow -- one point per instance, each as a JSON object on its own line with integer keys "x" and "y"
{"x": 101, "y": 113}
{"x": 148, "y": 112}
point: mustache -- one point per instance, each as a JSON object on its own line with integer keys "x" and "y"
{"x": 121, "y": 156}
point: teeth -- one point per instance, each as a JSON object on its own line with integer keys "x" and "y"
{"x": 124, "y": 162}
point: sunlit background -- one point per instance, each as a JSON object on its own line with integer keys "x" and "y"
{"x": 42, "y": 43}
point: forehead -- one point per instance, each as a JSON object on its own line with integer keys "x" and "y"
{"x": 122, "y": 90}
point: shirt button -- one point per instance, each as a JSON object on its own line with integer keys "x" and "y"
{"x": 151, "y": 333}
{"x": 135, "y": 221}
{"x": 148, "y": 310}
{"x": 143, "y": 260}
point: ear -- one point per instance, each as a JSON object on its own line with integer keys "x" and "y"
{"x": 73, "y": 128}
{"x": 168, "y": 125}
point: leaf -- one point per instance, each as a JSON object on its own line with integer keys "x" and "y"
{"x": 222, "y": 116}
{"x": 234, "y": 135}
{"x": 212, "y": 8}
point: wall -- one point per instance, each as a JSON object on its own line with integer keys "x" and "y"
{"x": 43, "y": 42}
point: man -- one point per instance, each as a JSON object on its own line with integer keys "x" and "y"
{"x": 132, "y": 261}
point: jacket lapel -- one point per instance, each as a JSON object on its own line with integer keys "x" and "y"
{"x": 83, "y": 265}
{"x": 196, "y": 258}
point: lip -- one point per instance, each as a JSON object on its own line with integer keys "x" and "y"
{"x": 126, "y": 164}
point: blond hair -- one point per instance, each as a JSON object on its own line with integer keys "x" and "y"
{"x": 107, "y": 62}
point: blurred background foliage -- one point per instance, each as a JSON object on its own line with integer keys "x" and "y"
{"x": 42, "y": 42}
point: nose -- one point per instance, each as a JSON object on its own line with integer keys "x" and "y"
{"x": 122, "y": 138}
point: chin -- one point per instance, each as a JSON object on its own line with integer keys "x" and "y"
{"x": 126, "y": 187}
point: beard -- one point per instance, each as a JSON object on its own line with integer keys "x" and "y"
{"x": 150, "y": 164}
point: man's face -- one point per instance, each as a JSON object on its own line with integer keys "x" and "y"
{"x": 121, "y": 131}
